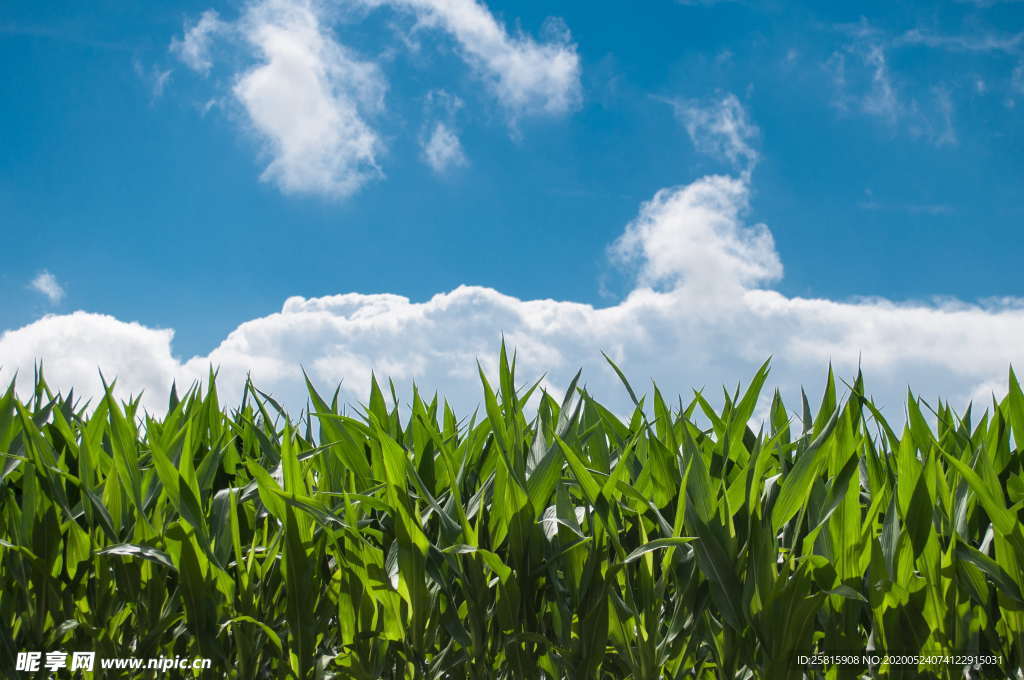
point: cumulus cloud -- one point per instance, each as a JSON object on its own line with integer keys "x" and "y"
{"x": 693, "y": 237}
{"x": 527, "y": 76}
{"x": 712, "y": 321}
{"x": 47, "y": 284}
{"x": 701, "y": 313}
{"x": 305, "y": 97}
{"x": 442, "y": 150}
{"x": 307, "y": 100}
{"x": 311, "y": 101}
{"x": 76, "y": 347}
{"x": 193, "y": 48}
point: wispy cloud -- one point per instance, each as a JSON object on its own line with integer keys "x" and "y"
{"x": 973, "y": 42}
{"x": 945, "y": 134}
{"x": 863, "y": 82}
{"x": 721, "y": 128}
{"x": 860, "y": 74}
{"x": 46, "y": 283}
{"x": 880, "y": 99}
{"x": 155, "y": 78}
{"x": 439, "y": 139}
{"x": 443, "y": 150}
{"x": 911, "y": 208}
{"x": 193, "y": 48}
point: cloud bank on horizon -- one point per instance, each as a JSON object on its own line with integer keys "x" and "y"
{"x": 699, "y": 314}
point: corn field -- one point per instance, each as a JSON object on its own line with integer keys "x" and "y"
{"x": 539, "y": 538}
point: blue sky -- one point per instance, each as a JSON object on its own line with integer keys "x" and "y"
{"x": 158, "y": 172}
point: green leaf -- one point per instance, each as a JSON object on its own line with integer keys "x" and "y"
{"x": 796, "y": 486}
{"x": 142, "y": 552}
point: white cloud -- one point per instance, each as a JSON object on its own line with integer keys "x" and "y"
{"x": 193, "y": 48}
{"x": 720, "y": 128}
{"x": 156, "y": 79}
{"x": 310, "y": 100}
{"x": 46, "y": 283}
{"x": 700, "y": 314}
{"x": 973, "y": 42}
{"x": 527, "y": 76}
{"x": 911, "y": 208}
{"x": 869, "y": 88}
{"x": 306, "y": 101}
{"x": 75, "y": 348}
{"x": 946, "y": 134}
{"x": 863, "y": 83}
{"x": 160, "y": 81}
{"x": 692, "y": 237}
{"x": 711, "y": 323}
{"x": 442, "y": 150}
{"x": 439, "y": 139}
{"x": 306, "y": 98}
{"x": 880, "y": 99}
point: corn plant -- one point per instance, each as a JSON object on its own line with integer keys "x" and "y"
{"x": 537, "y": 538}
